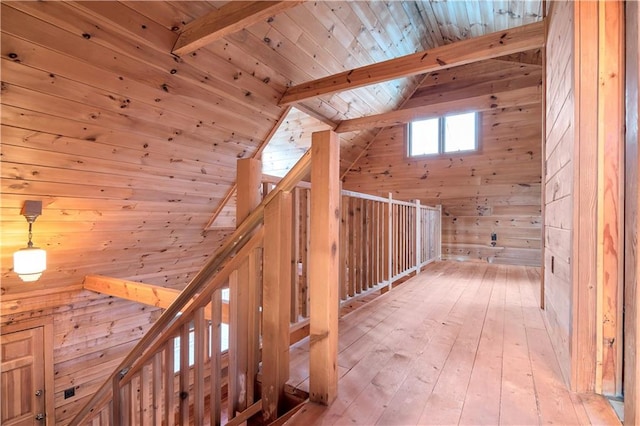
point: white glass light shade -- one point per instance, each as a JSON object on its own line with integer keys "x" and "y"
{"x": 29, "y": 263}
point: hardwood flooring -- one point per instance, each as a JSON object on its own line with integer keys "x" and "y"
{"x": 461, "y": 343}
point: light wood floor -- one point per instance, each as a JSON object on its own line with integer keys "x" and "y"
{"x": 460, "y": 343}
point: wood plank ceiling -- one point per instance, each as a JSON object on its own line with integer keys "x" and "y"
{"x": 131, "y": 148}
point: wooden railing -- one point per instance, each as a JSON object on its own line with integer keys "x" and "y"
{"x": 174, "y": 375}
{"x": 382, "y": 240}
{"x": 144, "y": 388}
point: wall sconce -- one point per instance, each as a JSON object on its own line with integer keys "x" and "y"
{"x": 30, "y": 262}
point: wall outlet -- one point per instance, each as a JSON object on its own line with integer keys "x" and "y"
{"x": 69, "y": 393}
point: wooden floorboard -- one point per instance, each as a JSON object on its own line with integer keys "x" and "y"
{"x": 460, "y": 343}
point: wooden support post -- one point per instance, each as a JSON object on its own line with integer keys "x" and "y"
{"x": 632, "y": 221}
{"x": 276, "y": 303}
{"x": 249, "y": 176}
{"x": 325, "y": 228}
{"x": 610, "y": 246}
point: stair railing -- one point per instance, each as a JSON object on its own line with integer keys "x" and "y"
{"x": 148, "y": 368}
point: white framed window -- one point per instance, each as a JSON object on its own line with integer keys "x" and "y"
{"x": 443, "y": 135}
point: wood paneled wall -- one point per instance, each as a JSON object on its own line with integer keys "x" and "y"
{"x": 584, "y": 192}
{"x": 129, "y": 149}
{"x": 632, "y": 222}
{"x": 496, "y": 190}
{"x": 92, "y": 333}
{"x": 559, "y": 151}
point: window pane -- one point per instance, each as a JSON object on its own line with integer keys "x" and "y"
{"x": 460, "y": 132}
{"x": 424, "y": 137}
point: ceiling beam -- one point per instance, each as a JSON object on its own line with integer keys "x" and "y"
{"x": 463, "y": 52}
{"x": 230, "y": 18}
{"x": 147, "y": 294}
{"x": 505, "y": 99}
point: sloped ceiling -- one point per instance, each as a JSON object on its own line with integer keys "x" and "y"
{"x": 131, "y": 148}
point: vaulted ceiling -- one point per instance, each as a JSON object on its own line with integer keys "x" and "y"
{"x": 132, "y": 147}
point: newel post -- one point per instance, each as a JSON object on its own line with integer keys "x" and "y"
{"x": 243, "y": 304}
{"x": 276, "y": 303}
{"x": 324, "y": 267}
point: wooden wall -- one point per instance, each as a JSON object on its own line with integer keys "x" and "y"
{"x": 92, "y": 333}
{"x": 131, "y": 148}
{"x": 290, "y": 142}
{"x": 632, "y": 221}
{"x": 559, "y": 151}
{"x": 496, "y": 190}
{"x": 584, "y": 192}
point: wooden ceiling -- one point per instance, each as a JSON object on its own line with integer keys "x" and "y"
{"x": 132, "y": 148}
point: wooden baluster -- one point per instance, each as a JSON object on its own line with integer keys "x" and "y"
{"x": 439, "y": 232}
{"x": 394, "y": 237}
{"x": 105, "y": 418}
{"x": 397, "y": 220}
{"x": 199, "y": 326}
{"x": 146, "y": 413}
{"x": 295, "y": 255}
{"x": 115, "y": 398}
{"x": 352, "y": 254}
{"x": 406, "y": 232}
{"x": 169, "y": 382}
{"x": 371, "y": 244}
{"x": 276, "y": 301}
{"x": 423, "y": 253}
{"x": 344, "y": 230}
{"x": 396, "y": 244}
{"x": 388, "y": 241}
{"x": 372, "y": 250}
{"x": 382, "y": 230}
{"x": 408, "y": 242}
{"x": 184, "y": 375}
{"x": 235, "y": 385}
{"x": 377, "y": 259}
{"x": 215, "y": 398}
{"x": 418, "y": 240}
{"x": 366, "y": 243}
{"x": 126, "y": 408}
{"x": 156, "y": 398}
{"x": 355, "y": 248}
{"x": 253, "y": 322}
{"x": 304, "y": 252}
{"x": 361, "y": 246}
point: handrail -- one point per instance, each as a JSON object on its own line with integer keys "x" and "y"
{"x": 235, "y": 242}
{"x": 204, "y": 296}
